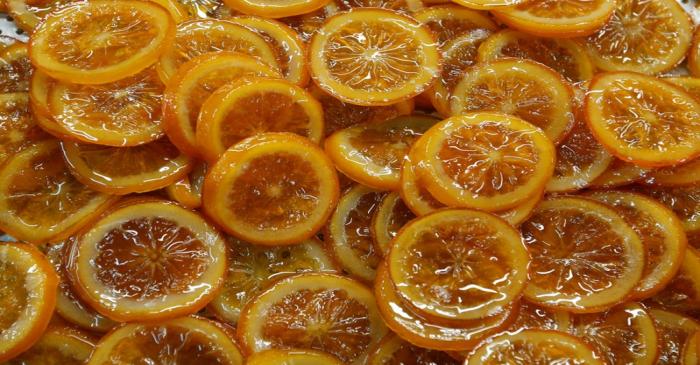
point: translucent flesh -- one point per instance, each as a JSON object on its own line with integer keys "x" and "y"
{"x": 306, "y": 24}
{"x": 579, "y": 157}
{"x": 672, "y": 338}
{"x": 403, "y": 353}
{"x": 130, "y": 161}
{"x": 397, "y": 5}
{"x": 682, "y": 294}
{"x": 560, "y": 8}
{"x": 397, "y": 217}
{"x": 17, "y": 126}
{"x": 619, "y": 173}
{"x": 338, "y": 115}
{"x": 684, "y": 201}
{"x": 536, "y": 317}
{"x": 547, "y": 350}
{"x": 55, "y": 348}
{"x": 450, "y": 27}
{"x": 15, "y": 71}
{"x": 13, "y": 295}
{"x": 356, "y": 226}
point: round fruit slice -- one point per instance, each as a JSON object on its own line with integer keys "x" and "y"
{"x": 314, "y": 311}
{"x": 251, "y": 106}
{"x": 15, "y": 69}
{"x": 372, "y": 153}
{"x": 585, "y": 258}
{"x": 148, "y": 259}
{"x": 39, "y": 88}
{"x": 389, "y": 217}
{"x": 253, "y": 268}
{"x": 348, "y": 235}
{"x": 188, "y": 190}
{"x": 274, "y": 189}
{"x": 533, "y": 347}
{"x": 488, "y": 4}
{"x": 522, "y": 88}
{"x": 450, "y": 22}
{"x": 59, "y": 345}
{"x": 619, "y": 173}
{"x": 681, "y": 175}
{"x": 647, "y": 36}
{"x": 101, "y": 41}
{"x": 392, "y": 350}
{"x": 373, "y": 57}
{"x": 683, "y": 200}
{"x": 413, "y": 193}
{"x": 532, "y": 316}
{"x": 292, "y": 357}
{"x": 673, "y": 331}
{"x": 40, "y": 200}
{"x": 275, "y": 9}
{"x": 18, "y": 128}
{"x": 194, "y": 83}
{"x": 643, "y": 120}
{"x": 682, "y": 294}
{"x": 28, "y": 291}
{"x": 487, "y": 161}
{"x": 186, "y": 340}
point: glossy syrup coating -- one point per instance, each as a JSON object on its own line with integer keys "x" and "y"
{"x": 389, "y": 217}
{"x": 682, "y": 294}
{"x": 292, "y": 357}
{"x": 15, "y": 69}
{"x": 449, "y": 22}
{"x": 28, "y": 14}
{"x": 392, "y": 350}
{"x": 403, "y": 6}
{"x": 58, "y": 345}
{"x": 273, "y": 9}
{"x": 619, "y": 173}
{"x": 18, "y": 127}
{"x": 673, "y": 331}
{"x": 682, "y": 200}
{"x": 188, "y": 190}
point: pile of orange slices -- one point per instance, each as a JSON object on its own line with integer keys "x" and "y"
{"x": 357, "y": 182}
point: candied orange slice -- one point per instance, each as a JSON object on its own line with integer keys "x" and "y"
{"x": 274, "y": 189}
{"x": 533, "y": 346}
{"x": 101, "y": 41}
{"x": 18, "y": 128}
{"x": 370, "y": 56}
{"x": 251, "y": 269}
{"x": 487, "y": 161}
{"x": 292, "y": 357}
{"x": 187, "y": 9}
{"x": 681, "y": 175}
{"x": 40, "y": 200}
{"x": 194, "y": 83}
{"x": 694, "y": 55}
{"x": 389, "y": 217}
{"x": 647, "y": 36}
{"x": 682, "y": 294}
{"x": 125, "y": 170}
{"x": 488, "y": 4}
{"x": 392, "y": 350}
{"x": 619, "y": 173}
{"x": 188, "y": 340}
{"x": 253, "y": 105}
{"x": 417, "y": 198}
{"x": 449, "y": 22}
{"x": 522, "y": 88}
{"x": 314, "y": 311}
{"x": 15, "y": 69}
{"x": 585, "y": 257}
{"x": 673, "y": 330}
{"x": 404, "y": 6}
{"x": 123, "y": 113}
{"x": 275, "y": 9}
{"x": 683, "y": 200}
{"x": 197, "y": 37}
{"x": 58, "y": 345}
{"x": 188, "y": 190}
{"x": 28, "y": 291}
{"x": 541, "y": 318}
{"x": 148, "y": 259}
{"x": 371, "y": 153}
{"x": 39, "y": 87}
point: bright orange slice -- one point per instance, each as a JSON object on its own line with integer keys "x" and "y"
{"x": 619, "y": 173}
{"x": 39, "y": 87}
{"x": 18, "y": 128}
{"x": 148, "y": 259}
{"x": 487, "y": 161}
{"x": 392, "y": 350}
{"x": 541, "y": 318}
{"x": 251, "y": 269}
{"x": 188, "y": 340}
{"x": 449, "y": 22}
{"x": 101, "y": 41}
{"x": 585, "y": 257}
{"x": 28, "y": 291}
{"x": 15, "y": 69}
{"x": 389, "y": 217}
{"x": 314, "y": 311}
{"x": 673, "y": 331}
{"x": 40, "y": 200}
{"x": 413, "y": 193}
{"x": 250, "y": 106}
{"x": 275, "y": 9}
{"x": 274, "y": 189}
{"x": 356, "y": 57}
{"x": 59, "y": 345}
{"x": 682, "y": 294}
{"x": 188, "y": 190}
{"x": 292, "y": 357}
{"x": 683, "y": 200}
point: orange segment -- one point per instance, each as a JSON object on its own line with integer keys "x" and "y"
{"x": 274, "y": 189}
{"x": 101, "y": 41}
{"x": 292, "y": 357}
{"x": 59, "y": 345}
{"x": 683, "y": 200}
{"x": 389, "y": 217}
{"x": 18, "y": 128}
{"x": 541, "y": 318}
{"x": 619, "y": 173}
{"x": 148, "y": 260}
{"x": 450, "y": 22}
{"x": 392, "y": 350}
{"x": 275, "y": 9}
{"x": 15, "y": 69}
{"x": 682, "y": 294}
{"x": 673, "y": 330}
{"x": 188, "y": 190}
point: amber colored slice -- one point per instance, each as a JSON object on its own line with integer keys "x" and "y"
{"x": 413, "y": 192}
{"x": 392, "y": 350}
{"x": 542, "y": 318}
{"x": 694, "y": 55}
{"x": 58, "y": 345}
{"x": 18, "y": 128}
{"x": 685, "y": 174}
{"x": 488, "y": 4}
{"x": 449, "y": 22}
{"x": 682, "y": 294}
{"x": 39, "y": 87}
{"x": 673, "y": 330}
{"x": 389, "y": 217}
{"x": 691, "y": 350}
{"x": 619, "y": 173}
{"x": 275, "y": 9}
{"x": 683, "y": 200}
{"x": 183, "y": 10}
{"x": 188, "y": 190}
{"x": 15, "y": 69}
{"x": 292, "y": 357}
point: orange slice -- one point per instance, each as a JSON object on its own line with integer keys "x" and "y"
{"x": 123, "y": 113}
{"x": 371, "y": 153}
{"x": 673, "y": 330}
{"x": 619, "y": 173}
{"x": 39, "y": 87}
{"x": 197, "y": 37}
{"x": 392, "y": 350}
{"x": 28, "y": 291}
{"x": 274, "y": 189}
{"x": 488, "y": 4}
{"x": 522, "y": 88}
{"x": 389, "y": 217}
{"x": 533, "y": 347}
{"x": 292, "y": 357}
{"x": 404, "y": 6}
{"x": 251, "y": 106}
{"x": 487, "y": 161}
{"x": 101, "y": 41}
{"x": 682, "y": 294}
{"x": 251, "y": 269}
{"x": 314, "y": 311}
{"x": 585, "y": 257}
{"x": 40, "y": 200}
{"x": 188, "y": 190}
{"x": 680, "y": 175}
{"x": 58, "y": 345}
{"x": 643, "y": 36}
{"x": 557, "y": 18}
{"x": 683, "y": 200}
{"x": 449, "y": 22}
{"x": 183, "y": 10}
{"x": 348, "y": 234}
{"x": 275, "y": 9}
{"x": 15, "y": 69}
{"x": 541, "y": 318}
{"x": 417, "y": 198}
{"x": 373, "y": 57}
{"x": 194, "y": 83}
{"x": 18, "y": 128}
{"x": 694, "y": 55}
{"x": 125, "y": 170}
{"x": 188, "y": 340}
{"x": 307, "y": 24}
{"x": 148, "y": 260}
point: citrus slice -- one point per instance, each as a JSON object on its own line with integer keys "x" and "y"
{"x": 348, "y": 234}
{"x": 682, "y": 294}
{"x": 40, "y": 200}
{"x": 487, "y": 161}
{"x": 123, "y": 113}
{"x": 369, "y": 56}
{"x": 18, "y": 128}
{"x": 557, "y": 18}
{"x": 488, "y": 4}
{"x": 125, "y": 170}
{"x": 148, "y": 259}
{"x": 389, "y": 217}
{"x": 15, "y": 69}
{"x": 251, "y": 269}
{"x": 274, "y": 189}
{"x": 194, "y": 83}
{"x": 188, "y": 9}
{"x": 417, "y": 198}
{"x": 28, "y": 291}
{"x": 690, "y": 84}
{"x": 585, "y": 257}
{"x": 694, "y": 55}
{"x": 186, "y": 340}
{"x": 683, "y": 200}
{"x": 307, "y": 24}
{"x": 536, "y": 317}
{"x": 101, "y": 41}
{"x": 371, "y": 153}
{"x": 254, "y": 105}
{"x": 691, "y": 350}
{"x": 522, "y": 88}
{"x": 40, "y": 85}
{"x": 275, "y": 9}
{"x": 516, "y": 216}
{"x": 448, "y": 22}
{"x": 58, "y": 345}
{"x": 681, "y": 175}
{"x": 647, "y": 36}
{"x": 188, "y": 190}
{"x": 533, "y": 346}
{"x": 200, "y": 36}
{"x": 313, "y": 311}
{"x": 392, "y": 350}
{"x": 292, "y": 357}
{"x": 643, "y": 120}
{"x": 673, "y": 330}
{"x": 619, "y": 173}
{"x": 403, "y": 6}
